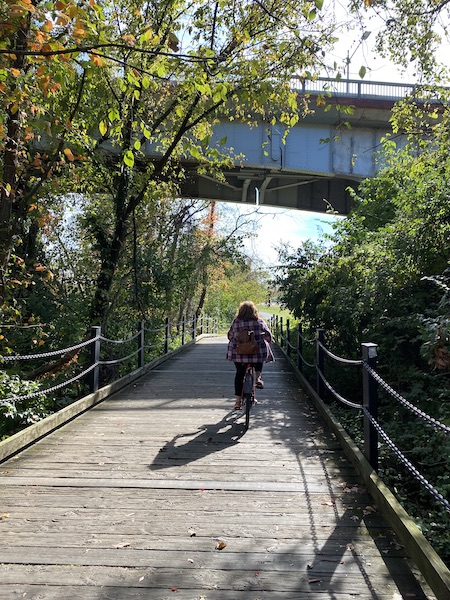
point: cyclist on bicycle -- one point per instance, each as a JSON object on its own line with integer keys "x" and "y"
{"x": 248, "y": 319}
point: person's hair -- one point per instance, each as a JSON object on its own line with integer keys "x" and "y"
{"x": 247, "y": 311}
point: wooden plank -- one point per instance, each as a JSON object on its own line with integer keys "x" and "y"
{"x": 134, "y": 495}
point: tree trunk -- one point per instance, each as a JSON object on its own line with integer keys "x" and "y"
{"x": 9, "y": 196}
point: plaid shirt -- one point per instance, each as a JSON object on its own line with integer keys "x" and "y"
{"x": 262, "y": 336}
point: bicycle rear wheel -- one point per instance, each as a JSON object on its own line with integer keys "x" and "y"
{"x": 248, "y": 396}
{"x": 248, "y": 405}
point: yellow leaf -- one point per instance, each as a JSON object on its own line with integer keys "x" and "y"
{"x": 15, "y": 72}
{"x": 47, "y": 26}
{"x": 96, "y": 60}
{"x": 62, "y": 20}
{"x": 69, "y": 155}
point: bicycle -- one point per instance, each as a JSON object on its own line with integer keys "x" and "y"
{"x": 248, "y": 393}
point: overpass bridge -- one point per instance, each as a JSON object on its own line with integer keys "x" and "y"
{"x": 321, "y": 156}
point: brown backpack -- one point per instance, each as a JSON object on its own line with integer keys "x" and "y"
{"x": 246, "y": 343}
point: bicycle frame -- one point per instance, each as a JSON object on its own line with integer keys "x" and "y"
{"x": 248, "y": 393}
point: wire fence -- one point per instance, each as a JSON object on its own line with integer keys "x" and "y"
{"x": 374, "y": 433}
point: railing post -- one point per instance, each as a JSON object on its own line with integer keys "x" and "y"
{"x": 194, "y": 326}
{"x": 166, "y": 336}
{"x": 95, "y": 357}
{"x": 183, "y": 330}
{"x": 370, "y": 402}
{"x": 320, "y": 362}
{"x": 141, "y": 344}
{"x": 299, "y": 348}
{"x": 281, "y": 332}
{"x": 288, "y": 339}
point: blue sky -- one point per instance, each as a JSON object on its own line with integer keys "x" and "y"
{"x": 275, "y": 226}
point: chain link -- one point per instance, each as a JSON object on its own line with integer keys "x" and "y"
{"x": 118, "y": 360}
{"x": 13, "y": 400}
{"x": 48, "y": 354}
{"x": 424, "y": 416}
{"x": 133, "y": 337}
{"x": 305, "y": 362}
{"x": 345, "y": 361}
{"x": 335, "y": 393}
{"x": 411, "y": 468}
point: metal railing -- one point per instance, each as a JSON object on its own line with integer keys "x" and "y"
{"x": 358, "y": 88}
{"x": 373, "y": 432}
{"x": 159, "y": 340}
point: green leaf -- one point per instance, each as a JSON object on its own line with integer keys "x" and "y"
{"x": 113, "y": 115}
{"x": 319, "y": 4}
{"x": 128, "y": 158}
{"x": 137, "y": 145}
{"x": 362, "y": 72}
{"x": 146, "y": 36}
{"x": 103, "y": 128}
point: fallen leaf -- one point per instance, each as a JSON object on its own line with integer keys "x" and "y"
{"x": 190, "y": 560}
{"x": 192, "y": 532}
{"x": 141, "y": 578}
{"x": 314, "y": 580}
{"x": 124, "y": 545}
{"x": 220, "y": 545}
{"x": 4, "y": 516}
{"x": 368, "y": 510}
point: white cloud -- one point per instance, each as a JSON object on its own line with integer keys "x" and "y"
{"x": 276, "y": 226}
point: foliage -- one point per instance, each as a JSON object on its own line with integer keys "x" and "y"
{"x": 385, "y": 279}
{"x": 159, "y": 77}
{"x": 22, "y": 413}
{"x": 412, "y": 33}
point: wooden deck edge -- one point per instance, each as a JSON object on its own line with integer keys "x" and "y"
{"x": 19, "y": 441}
{"x": 429, "y": 563}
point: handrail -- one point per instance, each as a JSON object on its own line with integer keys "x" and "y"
{"x": 98, "y": 341}
{"x": 369, "y": 404}
{"x": 358, "y": 88}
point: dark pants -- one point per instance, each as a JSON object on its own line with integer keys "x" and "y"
{"x": 239, "y": 377}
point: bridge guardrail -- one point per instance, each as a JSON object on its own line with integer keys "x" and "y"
{"x": 165, "y": 338}
{"x": 358, "y": 88}
{"x": 432, "y": 567}
{"x": 373, "y": 430}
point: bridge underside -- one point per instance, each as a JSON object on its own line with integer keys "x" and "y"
{"x": 289, "y": 189}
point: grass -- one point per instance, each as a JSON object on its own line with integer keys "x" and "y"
{"x": 276, "y": 310}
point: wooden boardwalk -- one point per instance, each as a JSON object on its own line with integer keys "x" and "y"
{"x": 157, "y": 493}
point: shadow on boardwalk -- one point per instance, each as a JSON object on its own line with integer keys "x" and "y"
{"x": 157, "y": 493}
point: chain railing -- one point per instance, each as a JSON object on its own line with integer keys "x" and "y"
{"x": 371, "y": 382}
{"x": 163, "y": 340}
